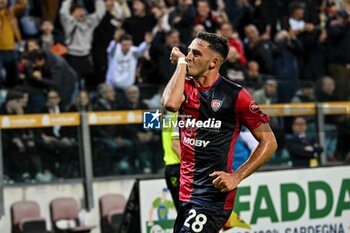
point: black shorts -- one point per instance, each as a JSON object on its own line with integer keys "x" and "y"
{"x": 193, "y": 218}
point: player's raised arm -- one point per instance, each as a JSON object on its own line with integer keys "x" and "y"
{"x": 173, "y": 94}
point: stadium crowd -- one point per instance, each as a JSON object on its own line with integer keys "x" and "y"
{"x": 106, "y": 55}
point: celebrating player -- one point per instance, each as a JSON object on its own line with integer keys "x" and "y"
{"x": 212, "y": 110}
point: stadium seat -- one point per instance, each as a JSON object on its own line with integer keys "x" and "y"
{"x": 111, "y": 212}
{"x": 66, "y": 210}
{"x": 25, "y": 218}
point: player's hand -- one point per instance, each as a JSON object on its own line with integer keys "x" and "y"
{"x": 175, "y": 55}
{"x": 224, "y": 181}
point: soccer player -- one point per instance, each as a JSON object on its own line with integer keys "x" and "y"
{"x": 212, "y": 110}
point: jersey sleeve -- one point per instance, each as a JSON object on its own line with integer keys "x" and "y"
{"x": 248, "y": 112}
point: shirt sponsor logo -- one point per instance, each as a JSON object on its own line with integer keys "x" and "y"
{"x": 195, "y": 142}
{"x": 216, "y": 105}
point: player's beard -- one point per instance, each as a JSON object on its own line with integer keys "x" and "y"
{"x": 195, "y": 72}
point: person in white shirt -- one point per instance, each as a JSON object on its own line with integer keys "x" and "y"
{"x": 122, "y": 60}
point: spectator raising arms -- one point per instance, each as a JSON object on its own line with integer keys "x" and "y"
{"x": 122, "y": 60}
{"x": 79, "y": 29}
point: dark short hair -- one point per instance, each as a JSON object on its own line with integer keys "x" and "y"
{"x": 216, "y": 43}
{"x": 36, "y": 55}
{"x": 170, "y": 32}
{"x": 125, "y": 37}
{"x": 76, "y": 6}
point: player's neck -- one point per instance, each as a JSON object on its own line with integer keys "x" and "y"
{"x": 206, "y": 80}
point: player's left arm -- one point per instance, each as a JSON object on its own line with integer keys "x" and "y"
{"x": 267, "y": 146}
{"x": 250, "y": 115}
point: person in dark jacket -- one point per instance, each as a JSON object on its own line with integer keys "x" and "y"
{"x": 49, "y": 71}
{"x": 21, "y": 159}
{"x": 304, "y": 151}
{"x": 339, "y": 54}
{"x": 160, "y": 52}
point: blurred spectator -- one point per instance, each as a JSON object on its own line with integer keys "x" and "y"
{"x": 197, "y": 28}
{"x": 50, "y": 40}
{"x": 286, "y": 56}
{"x": 305, "y": 94}
{"x": 339, "y": 54}
{"x": 79, "y": 29}
{"x": 82, "y": 103}
{"x": 296, "y": 22}
{"x": 267, "y": 94}
{"x": 58, "y": 147}
{"x": 30, "y": 45}
{"x": 310, "y": 9}
{"x": 315, "y": 56}
{"x": 325, "y": 91}
{"x": 10, "y": 33}
{"x": 259, "y": 48}
{"x": 161, "y": 13}
{"x": 112, "y": 148}
{"x": 232, "y": 68}
{"x": 21, "y": 159}
{"x": 304, "y": 151}
{"x": 207, "y": 17}
{"x": 182, "y": 19}
{"x": 31, "y": 18}
{"x": 232, "y": 38}
{"x": 147, "y": 71}
{"x": 146, "y": 143}
{"x": 140, "y": 22}
{"x": 244, "y": 17}
{"x": 122, "y": 60}
{"x": 253, "y": 78}
{"x": 116, "y": 12}
{"x": 155, "y": 101}
{"x": 133, "y": 97}
{"x": 268, "y": 12}
{"x": 47, "y": 71}
{"x": 160, "y": 52}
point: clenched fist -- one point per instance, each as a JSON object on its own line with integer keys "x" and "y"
{"x": 175, "y": 55}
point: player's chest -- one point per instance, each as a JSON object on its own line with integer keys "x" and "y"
{"x": 210, "y": 104}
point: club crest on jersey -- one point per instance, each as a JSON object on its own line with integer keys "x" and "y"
{"x": 216, "y": 105}
{"x": 253, "y": 107}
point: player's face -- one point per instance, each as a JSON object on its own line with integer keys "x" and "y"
{"x": 199, "y": 57}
